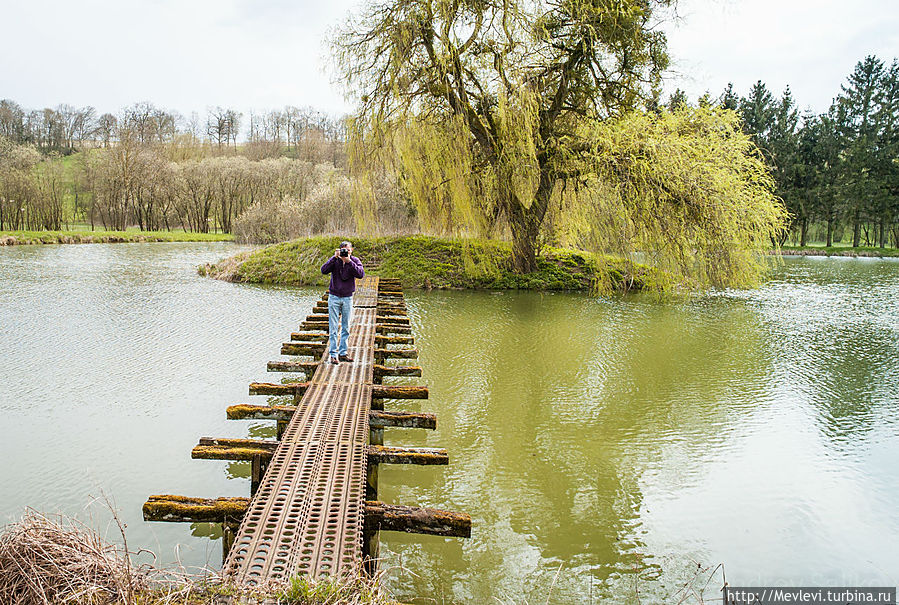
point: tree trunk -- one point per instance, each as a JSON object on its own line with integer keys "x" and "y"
{"x": 829, "y": 232}
{"x": 856, "y": 230}
{"x": 524, "y": 252}
{"x": 803, "y": 231}
{"x": 883, "y": 242}
{"x": 525, "y": 224}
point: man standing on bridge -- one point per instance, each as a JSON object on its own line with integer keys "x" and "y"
{"x": 344, "y": 269}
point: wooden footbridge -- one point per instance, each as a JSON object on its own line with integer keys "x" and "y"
{"x": 314, "y": 508}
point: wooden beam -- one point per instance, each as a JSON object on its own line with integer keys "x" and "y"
{"x": 382, "y": 370}
{"x": 392, "y": 329}
{"x": 396, "y": 353}
{"x": 391, "y": 391}
{"x": 415, "y": 520}
{"x": 293, "y": 366}
{"x": 272, "y": 388}
{"x": 175, "y": 509}
{"x": 393, "y": 340}
{"x": 322, "y": 308}
{"x": 381, "y": 419}
{"x": 389, "y": 307}
{"x": 377, "y": 516}
{"x": 403, "y": 321}
{"x": 376, "y": 419}
{"x": 309, "y": 336}
{"x": 233, "y": 449}
{"x": 314, "y": 325}
{"x": 247, "y": 411}
{"x": 303, "y": 348}
{"x": 384, "y": 454}
{"x": 263, "y": 444}
{"x": 246, "y": 449}
{"x": 383, "y": 391}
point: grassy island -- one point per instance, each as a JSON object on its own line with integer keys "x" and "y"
{"x": 420, "y": 261}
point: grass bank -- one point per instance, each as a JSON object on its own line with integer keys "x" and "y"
{"x": 839, "y": 251}
{"x": 429, "y": 262}
{"x": 13, "y": 238}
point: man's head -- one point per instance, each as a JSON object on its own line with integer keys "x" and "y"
{"x": 345, "y": 245}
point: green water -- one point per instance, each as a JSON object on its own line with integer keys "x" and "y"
{"x": 603, "y": 447}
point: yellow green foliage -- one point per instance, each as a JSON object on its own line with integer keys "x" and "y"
{"x": 686, "y": 191}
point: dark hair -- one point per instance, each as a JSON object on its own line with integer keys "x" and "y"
{"x": 346, "y": 244}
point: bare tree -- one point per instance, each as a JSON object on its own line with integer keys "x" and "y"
{"x": 107, "y": 124}
{"x": 223, "y": 125}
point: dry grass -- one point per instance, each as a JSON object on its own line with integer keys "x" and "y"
{"x": 226, "y": 269}
{"x": 46, "y": 561}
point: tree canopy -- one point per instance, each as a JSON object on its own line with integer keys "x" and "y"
{"x": 527, "y": 118}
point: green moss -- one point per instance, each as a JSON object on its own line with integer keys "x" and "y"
{"x": 420, "y": 261}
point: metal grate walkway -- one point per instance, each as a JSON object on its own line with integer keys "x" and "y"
{"x": 306, "y": 517}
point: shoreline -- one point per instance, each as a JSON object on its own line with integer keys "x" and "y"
{"x": 34, "y": 238}
{"x": 833, "y": 251}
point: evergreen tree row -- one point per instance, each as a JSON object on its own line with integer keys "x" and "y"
{"x": 837, "y": 171}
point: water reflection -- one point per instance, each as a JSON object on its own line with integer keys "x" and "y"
{"x": 585, "y": 400}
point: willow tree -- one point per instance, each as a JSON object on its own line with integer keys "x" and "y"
{"x": 496, "y": 112}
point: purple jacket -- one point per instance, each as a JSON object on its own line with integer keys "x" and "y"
{"x": 343, "y": 275}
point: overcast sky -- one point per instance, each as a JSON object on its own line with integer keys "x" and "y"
{"x": 188, "y": 55}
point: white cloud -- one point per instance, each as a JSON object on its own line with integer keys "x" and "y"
{"x": 810, "y": 45}
{"x": 191, "y": 54}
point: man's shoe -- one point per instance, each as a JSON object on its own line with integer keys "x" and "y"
{"x": 334, "y": 360}
{"x": 346, "y": 358}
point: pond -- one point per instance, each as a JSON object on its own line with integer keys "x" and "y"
{"x": 605, "y": 448}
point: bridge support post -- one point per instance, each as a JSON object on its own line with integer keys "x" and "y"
{"x": 371, "y": 542}
{"x": 257, "y": 471}
{"x": 229, "y": 530}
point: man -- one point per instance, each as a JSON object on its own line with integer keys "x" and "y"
{"x": 344, "y": 269}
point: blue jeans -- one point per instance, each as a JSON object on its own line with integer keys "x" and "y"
{"x": 342, "y": 306}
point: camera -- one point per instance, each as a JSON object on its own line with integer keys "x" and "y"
{"x": 344, "y": 252}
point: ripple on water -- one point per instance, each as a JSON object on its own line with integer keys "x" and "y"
{"x": 622, "y": 439}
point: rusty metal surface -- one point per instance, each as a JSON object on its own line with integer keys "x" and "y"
{"x": 306, "y": 517}
{"x": 367, "y": 295}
